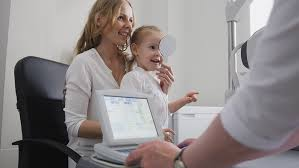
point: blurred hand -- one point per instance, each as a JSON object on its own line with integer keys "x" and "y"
{"x": 155, "y": 154}
{"x": 166, "y": 77}
{"x": 191, "y": 96}
{"x": 168, "y": 134}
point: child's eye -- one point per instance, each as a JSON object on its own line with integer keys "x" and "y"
{"x": 153, "y": 47}
{"x": 120, "y": 18}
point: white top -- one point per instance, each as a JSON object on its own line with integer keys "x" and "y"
{"x": 87, "y": 73}
{"x": 265, "y": 109}
{"x": 145, "y": 82}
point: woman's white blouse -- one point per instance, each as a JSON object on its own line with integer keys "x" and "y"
{"x": 87, "y": 73}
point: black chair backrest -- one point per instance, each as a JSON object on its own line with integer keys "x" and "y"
{"x": 39, "y": 88}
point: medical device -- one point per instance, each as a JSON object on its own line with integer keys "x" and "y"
{"x": 126, "y": 121}
{"x": 233, "y": 8}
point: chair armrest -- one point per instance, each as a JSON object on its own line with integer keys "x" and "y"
{"x": 60, "y": 147}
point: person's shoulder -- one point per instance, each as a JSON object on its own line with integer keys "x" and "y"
{"x": 139, "y": 71}
{"x": 131, "y": 80}
{"x": 131, "y": 73}
{"x": 83, "y": 59}
{"x": 129, "y": 76}
{"x": 135, "y": 73}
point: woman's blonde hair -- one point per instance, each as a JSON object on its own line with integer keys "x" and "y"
{"x": 137, "y": 38}
{"x": 91, "y": 35}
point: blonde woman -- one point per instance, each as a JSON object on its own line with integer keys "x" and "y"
{"x": 100, "y": 64}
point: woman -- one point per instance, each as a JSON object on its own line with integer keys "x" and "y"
{"x": 100, "y": 64}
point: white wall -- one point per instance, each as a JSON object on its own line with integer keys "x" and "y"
{"x": 4, "y": 20}
{"x": 176, "y": 27}
{"x": 201, "y": 60}
{"x": 153, "y": 12}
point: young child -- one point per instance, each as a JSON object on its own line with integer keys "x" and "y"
{"x": 146, "y": 54}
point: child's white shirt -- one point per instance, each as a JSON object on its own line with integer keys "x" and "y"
{"x": 143, "y": 81}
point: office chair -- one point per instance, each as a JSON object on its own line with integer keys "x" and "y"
{"x": 39, "y": 89}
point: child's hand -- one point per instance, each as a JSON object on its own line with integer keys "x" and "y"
{"x": 166, "y": 77}
{"x": 168, "y": 134}
{"x": 191, "y": 96}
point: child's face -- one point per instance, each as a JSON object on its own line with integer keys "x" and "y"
{"x": 148, "y": 55}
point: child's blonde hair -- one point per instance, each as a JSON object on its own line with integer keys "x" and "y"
{"x": 137, "y": 38}
{"x": 91, "y": 35}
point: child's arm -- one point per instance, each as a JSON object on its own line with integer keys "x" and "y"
{"x": 177, "y": 104}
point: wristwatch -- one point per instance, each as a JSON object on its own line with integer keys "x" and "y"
{"x": 178, "y": 162}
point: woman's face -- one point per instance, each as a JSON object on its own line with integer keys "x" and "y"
{"x": 121, "y": 30}
{"x": 148, "y": 55}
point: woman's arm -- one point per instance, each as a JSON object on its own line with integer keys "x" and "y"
{"x": 77, "y": 99}
{"x": 90, "y": 129}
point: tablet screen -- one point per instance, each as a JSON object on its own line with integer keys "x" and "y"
{"x": 130, "y": 117}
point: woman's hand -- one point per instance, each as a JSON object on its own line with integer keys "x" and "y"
{"x": 191, "y": 96}
{"x": 168, "y": 134}
{"x": 166, "y": 77}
